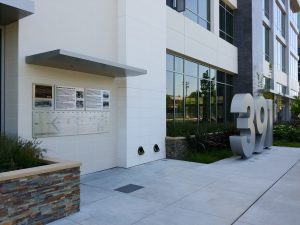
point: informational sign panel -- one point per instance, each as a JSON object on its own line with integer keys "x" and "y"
{"x": 69, "y": 98}
{"x": 59, "y": 123}
{"x": 94, "y": 99}
{"x": 43, "y": 97}
{"x": 71, "y": 111}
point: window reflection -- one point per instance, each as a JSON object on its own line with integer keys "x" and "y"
{"x": 221, "y": 104}
{"x": 196, "y": 93}
{"x": 170, "y": 96}
{"x": 178, "y": 98}
{"x": 204, "y": 99}
{"x": 191, "y": 96}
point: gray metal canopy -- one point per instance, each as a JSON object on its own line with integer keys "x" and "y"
{"x": 13, "y": 10}
{"x": 63, "y": 59}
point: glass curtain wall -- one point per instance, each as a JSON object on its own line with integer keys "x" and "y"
{"x": 196, "y": 93}
{"x": 198, "y": 11}
{"x": 226, "y": 22}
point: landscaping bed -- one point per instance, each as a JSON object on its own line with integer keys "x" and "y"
{"x": 287, "y": 135}
{"x": 46, "y": 190}
{"x": 204, "y": 144}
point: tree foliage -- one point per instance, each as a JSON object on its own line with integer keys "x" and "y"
{"x": 296, "y": 107}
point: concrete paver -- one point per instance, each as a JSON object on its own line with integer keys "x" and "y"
{"x": 263, "y": 190}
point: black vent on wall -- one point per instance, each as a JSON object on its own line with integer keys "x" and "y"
{"x": 141, "y": 150}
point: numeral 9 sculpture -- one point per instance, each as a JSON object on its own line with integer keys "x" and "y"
{"x": 255, "y": 122}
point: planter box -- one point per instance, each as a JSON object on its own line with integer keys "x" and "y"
{"x": 41, "y": 194}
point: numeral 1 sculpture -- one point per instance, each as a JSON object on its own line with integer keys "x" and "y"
{"x": 255, "y": 122}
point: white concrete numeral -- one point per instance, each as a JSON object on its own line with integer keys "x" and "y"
{"x": 261, "y": 123}
{"x": 244, "y": 144}
{"x": 255, "y": 122}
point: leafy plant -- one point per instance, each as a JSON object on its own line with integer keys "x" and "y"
{"x": 296, "y": 108}
{"x": 211, "y": 138}
{"x": 17, "y": 153}
{"x": 286, "y": 132}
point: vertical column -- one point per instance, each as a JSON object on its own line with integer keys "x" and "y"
{"x": 11, "y": 79}
{"x": 142, "y": 107}
{"x": 215, "y": 16}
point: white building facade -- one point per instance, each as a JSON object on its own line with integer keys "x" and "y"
{"x": 88, "y": 78}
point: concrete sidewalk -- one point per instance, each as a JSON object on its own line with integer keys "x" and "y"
{"x": 264, "y": 190}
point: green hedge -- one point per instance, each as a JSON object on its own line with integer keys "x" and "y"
{"x": 17, "y": 153}
{"x": 286, "y": 132}
{"x": 183, "y": 129}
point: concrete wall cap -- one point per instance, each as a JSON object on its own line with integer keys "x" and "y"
{"x": 53, "y": 165}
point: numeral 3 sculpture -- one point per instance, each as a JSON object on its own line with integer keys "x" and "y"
{"x": 255, "y": 122}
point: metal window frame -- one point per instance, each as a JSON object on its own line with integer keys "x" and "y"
{"x": 233, "y": 18}
{"x": 199, "y": 18}
{"x": 198, "y": 90}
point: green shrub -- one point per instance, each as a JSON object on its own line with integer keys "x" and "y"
{"x": 211, "y": 138}
{"x": 183, "y": 129}
{"x": 286, "y": 132}
{"x": 17, "y": 153}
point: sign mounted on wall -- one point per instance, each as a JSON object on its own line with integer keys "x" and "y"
{"x": 255, "y": 122}
{"x": 43, "y": 97}
{"x": 63, "y": 110}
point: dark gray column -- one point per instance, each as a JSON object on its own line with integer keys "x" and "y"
{"x": 243, "y": 41}
{"x": 249, "y": 40}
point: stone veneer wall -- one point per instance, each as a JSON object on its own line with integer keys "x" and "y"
{"x": 176, "y": 147}
{"x": 40, "y": 199}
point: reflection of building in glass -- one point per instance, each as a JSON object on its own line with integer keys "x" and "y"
{"x": 197, "y": 93}
{"x": 273, "y": 50}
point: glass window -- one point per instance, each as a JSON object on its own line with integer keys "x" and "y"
{"x": 199, "y": 12}
{"x": 179, "y": 97}
{"x": 213, "y": 101}
{"x": 196, "y": 93}
{"x": 204, "y": 100}
{"x": 293, "y": 68}
{"x": 170, "y": 62}
{"x": 229, "y": 96}
{"x": 229, "y": 79}
{"x": 178, "y": 65}
{"x": 280, "y": 21}
{"x": 226, "y": 20}
{"x": 192, "y": 5}
{"x": 191, "y": 97}
{"x": 190, "y": 68}
{"x": 170, "y": 96}
{"x": 221, "y": 101}
{"x": 170, "y": 3}
{"x": 221, "y": 77}
{"x": 293, "y": 40}
{"x": 203, "y": 72}
{"x": 267, "y": 8}
{"x": 267, "y": 43}
{"x": 203, "y": 9}
{"x": 213, "y": 74}
{"x": 280, "y": 56}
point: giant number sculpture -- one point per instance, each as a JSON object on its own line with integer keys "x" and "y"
{"x": 255, "y": 123}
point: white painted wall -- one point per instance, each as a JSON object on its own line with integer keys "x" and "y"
{"x": 86, "y": 27}
{"x": 188, "y": 38}
{"x": 141, "y": 104}
{"x": 11, "y": 78}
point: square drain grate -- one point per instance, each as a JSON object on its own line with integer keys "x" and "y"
{"x": 129, "y": 188}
